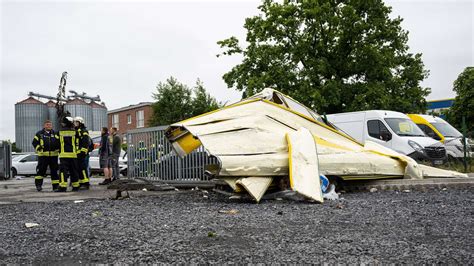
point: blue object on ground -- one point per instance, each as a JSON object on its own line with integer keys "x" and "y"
{"x": 324, "y": 183}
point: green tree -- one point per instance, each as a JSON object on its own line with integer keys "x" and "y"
{"x": 175, "y": 101}
{"x": 331, "y": 55}
{"x": 464, "y": 101}
{"x": 202, "y": 102}
{"x": 15, "y": 148}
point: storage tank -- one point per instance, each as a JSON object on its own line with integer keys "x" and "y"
{"x": 99, "y": 116}
{"x": 30, "y": 115}
{"x": 52, "y": 114}
{"x": 78, "y": 107}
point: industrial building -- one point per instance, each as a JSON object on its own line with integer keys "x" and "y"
{"x": 130, "y": 117}
{"x": 438, "y": 106}
{"x": 31, "y": 113}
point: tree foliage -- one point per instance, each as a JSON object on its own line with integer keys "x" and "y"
{"x": 464, "y": 101}
{"x": 175, "y": 101}
{"x": 331, "y": 55}
{"x": 14, "y": 147}
{"x": 202, "y": 102}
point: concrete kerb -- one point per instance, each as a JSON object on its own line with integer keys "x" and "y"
{"x": 409, "y": 184}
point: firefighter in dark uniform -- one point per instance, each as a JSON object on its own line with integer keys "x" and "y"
{"x": 82, "y": 143}
{"x": 46, "y": 144}
{"x": 68, "y": 155}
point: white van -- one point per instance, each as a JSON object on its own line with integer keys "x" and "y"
{"x": 438, "y": 129}
{"x": 393, "y": 130}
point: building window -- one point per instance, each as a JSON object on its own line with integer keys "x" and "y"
{"x": 140, "y": 118}
{"x": 115, "y": 121}
{"x": 129, "y": 119}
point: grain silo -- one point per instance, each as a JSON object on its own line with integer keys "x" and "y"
{"x": 52, "y": 114}
{"x": 30, "y": 115}
{"x": 78, "y": 107}
{"x": 99, "y": 117}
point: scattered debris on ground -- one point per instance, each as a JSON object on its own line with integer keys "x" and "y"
{"x": 231, "y": 211}
{"x": 29, "y": 225}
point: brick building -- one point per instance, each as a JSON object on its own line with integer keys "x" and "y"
{"x": 130, "y": 117}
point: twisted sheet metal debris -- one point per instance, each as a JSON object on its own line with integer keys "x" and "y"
{"x": 252, "y": 138}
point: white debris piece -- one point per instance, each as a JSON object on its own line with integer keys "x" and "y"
{"x": 255, "y": 185}
{"x": 29, "y": 225}
{"x": 303, "y": 164}
{"x": 78, "y": 201}
{"x": 331, "y": 194}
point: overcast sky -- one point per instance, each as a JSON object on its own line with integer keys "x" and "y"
{"x": 121, "y": 50}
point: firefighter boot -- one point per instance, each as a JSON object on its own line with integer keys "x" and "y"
{"x": 39, "y": 183}
{"x": 61, "y": 189}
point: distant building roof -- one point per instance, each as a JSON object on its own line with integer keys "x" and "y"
{"x": 142, "y": 104}
{"x": 443, "y": 103}
{"x": 97, "y": 105}
{"x": 30, "y": 100}
{"x": 76, "y": 101}
{"x": 50, "y": 103}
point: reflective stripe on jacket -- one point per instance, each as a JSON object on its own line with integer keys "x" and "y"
{"x": 83, "y": 140}
{"x": 67, "y": 138}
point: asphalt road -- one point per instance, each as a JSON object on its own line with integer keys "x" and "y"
{"x": 381, "y": 227}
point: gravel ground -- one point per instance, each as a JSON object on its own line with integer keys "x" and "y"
{"x": 381, "y": 227}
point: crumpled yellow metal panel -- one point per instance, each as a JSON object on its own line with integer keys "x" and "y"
{"x": 248, "y": 138}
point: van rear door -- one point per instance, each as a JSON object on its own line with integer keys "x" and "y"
{"x": 350, "y": 123}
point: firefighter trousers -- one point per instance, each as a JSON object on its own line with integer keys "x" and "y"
{"x": 83, "y": 171}
{"x": 68, "y": 168}
{"x": 43, "y": 163}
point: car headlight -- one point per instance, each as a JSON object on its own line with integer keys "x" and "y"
{"x": 417, "y": 147}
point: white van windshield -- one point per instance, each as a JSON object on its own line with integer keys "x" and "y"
{"x": 404, "y": 127}
{"x": 447, "y": 130}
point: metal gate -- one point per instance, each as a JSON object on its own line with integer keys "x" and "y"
{"x": 5, "y": 160}
{"x": 150, "y": 156}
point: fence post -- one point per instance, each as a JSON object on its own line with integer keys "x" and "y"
{"x": 464, "y": 140}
